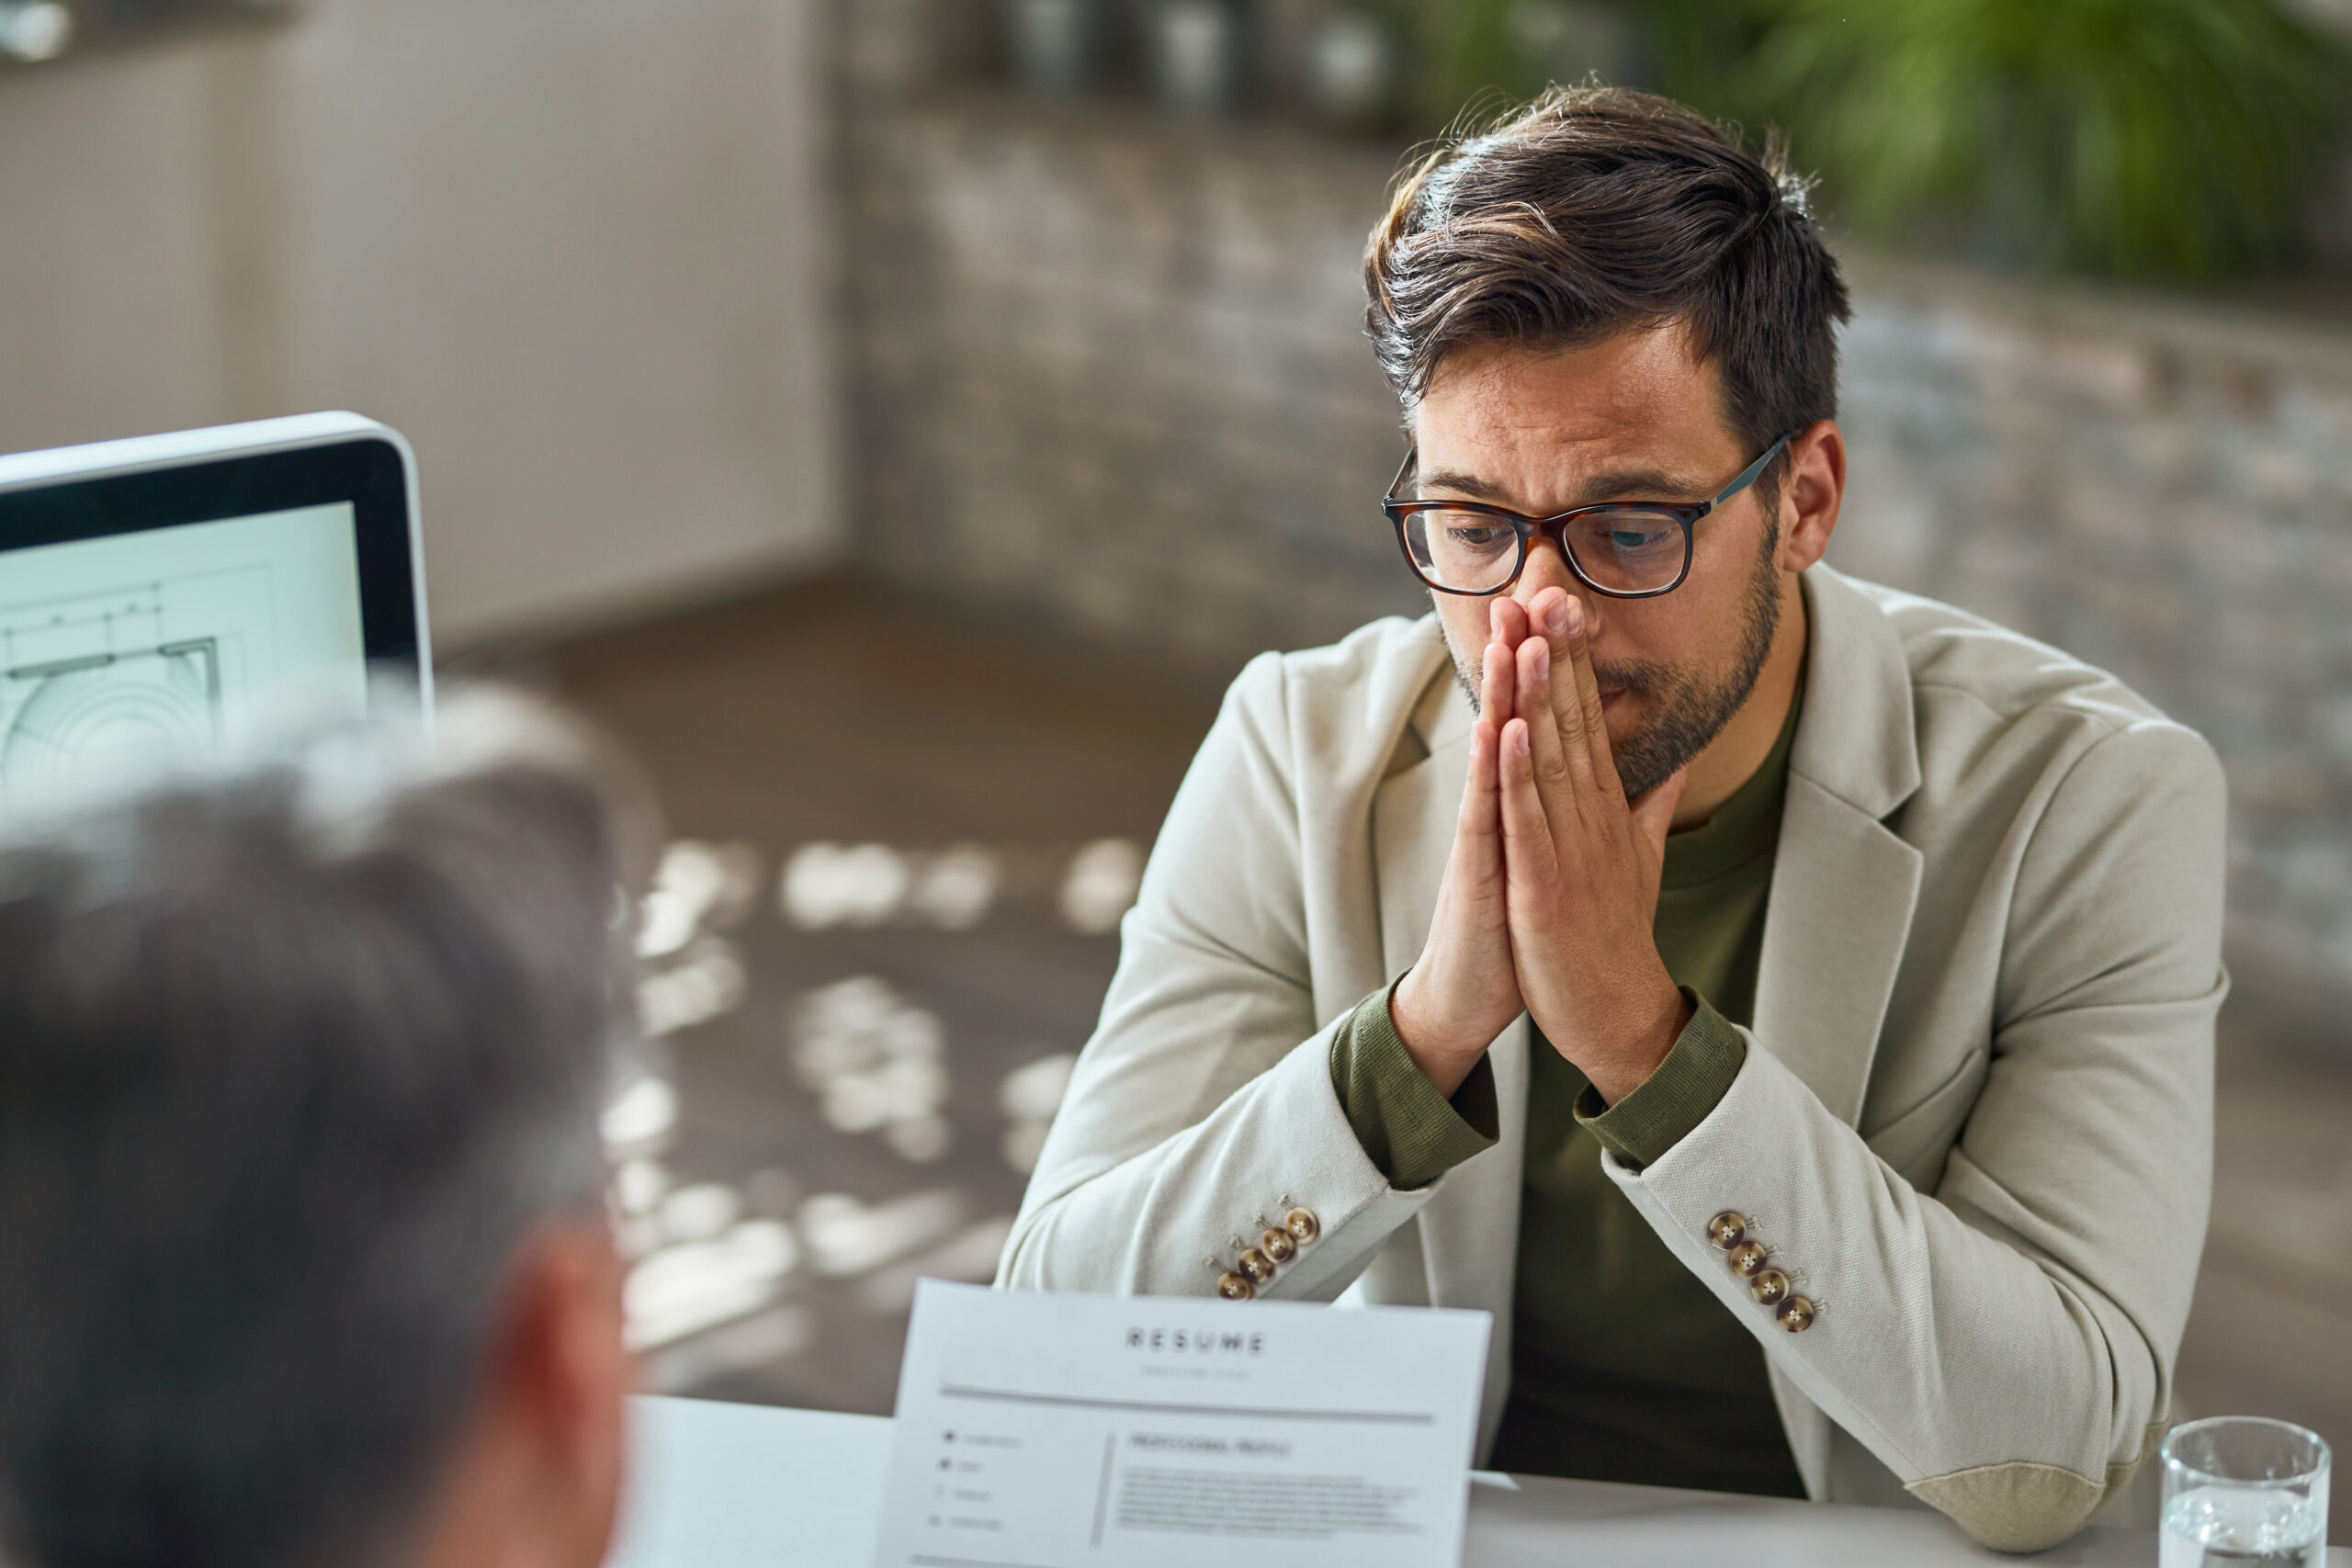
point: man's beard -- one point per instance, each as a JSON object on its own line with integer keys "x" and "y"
{"x": 1688, "y": 709}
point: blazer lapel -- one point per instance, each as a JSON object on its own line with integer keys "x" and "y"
{"x": 1843, "y": 885}
{"x": 1843, "y": 889}
{"x": 1413, "y": 813}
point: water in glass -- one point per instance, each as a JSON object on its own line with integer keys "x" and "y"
{"x": 2212, "y": 1527}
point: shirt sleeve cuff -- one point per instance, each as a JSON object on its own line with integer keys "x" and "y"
{"x": 1689, "y": 1084}
{"x": 1408, "y": 1130}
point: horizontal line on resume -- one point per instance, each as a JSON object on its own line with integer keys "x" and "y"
{"x": 964, "y": 1562}
{"x": 1014, "y": 1396}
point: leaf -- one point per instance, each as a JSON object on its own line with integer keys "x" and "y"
{"x": 2133, "y": 138}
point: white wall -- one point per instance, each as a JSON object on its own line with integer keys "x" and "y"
{"x": 576, "y": 249}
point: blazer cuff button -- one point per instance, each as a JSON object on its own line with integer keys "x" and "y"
{"x": 1303, "y": 1226}
{"x": 1771, "y": 1286}
{"x": 1747, "y": 1259}
{"x": 1796, "y": 1315}
{"x": 1255, "y": 1267}
{"x": 1727, "y": 1229}
{"x": 1278, "y": 1246}
{"x": 1232, "y": 1287}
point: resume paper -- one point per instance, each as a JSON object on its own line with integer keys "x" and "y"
{"x": 1065, "y": 1431}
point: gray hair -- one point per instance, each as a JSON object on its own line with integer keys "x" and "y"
{"x": 294, "y": 1050}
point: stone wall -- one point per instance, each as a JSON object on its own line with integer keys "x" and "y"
{"x": 1111, "y": 375}
{"x": 2164, "y": 490}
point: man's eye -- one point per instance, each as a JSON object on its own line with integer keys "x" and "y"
{"x": 1476, "y": 537}
{"x": 1632, "y": 539}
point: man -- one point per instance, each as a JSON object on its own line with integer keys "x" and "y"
{"x": 303, "y": 1257}
{"x": 1785, "y": 1004}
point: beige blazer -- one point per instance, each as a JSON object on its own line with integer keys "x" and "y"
{"x": 1974, "y": 1122}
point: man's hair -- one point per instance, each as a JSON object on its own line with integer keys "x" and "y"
{"x": 1596, "y": 211}
{"x": 293, "y": 1052}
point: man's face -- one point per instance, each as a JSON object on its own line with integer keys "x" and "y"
{"x": 1634, "y": 418}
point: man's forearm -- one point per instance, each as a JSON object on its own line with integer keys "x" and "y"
{"x": 1641, "y": 1127}
{"x": 1413, "y": 1129}
{"x": 1127, "y": 1201}
{"x": 1998, "y": 1361}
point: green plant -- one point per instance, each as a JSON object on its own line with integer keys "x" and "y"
{"x": 1457, "y": 57}
{"x": 2134, "y": 139}
{"x": 1468, "y": 59}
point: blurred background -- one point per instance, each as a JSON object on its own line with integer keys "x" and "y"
{"x": 897, "y": 419}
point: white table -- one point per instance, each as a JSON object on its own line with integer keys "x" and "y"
{"x": 748, "y": 1486}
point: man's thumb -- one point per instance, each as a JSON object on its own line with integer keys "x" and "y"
{"x": 1654, "y": 813}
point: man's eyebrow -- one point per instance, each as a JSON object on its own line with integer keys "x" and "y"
{"x": 1616, "y": 484}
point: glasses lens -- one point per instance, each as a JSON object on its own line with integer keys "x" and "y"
{"x": 1630, "y": 552}
{"x": 1466, "y": 551}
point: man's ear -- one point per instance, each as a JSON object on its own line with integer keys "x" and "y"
{"x": 567, "y": 1375}
{"x": 1811, "y": 491}
{"x": 550, "y": 1436}
{"x": 569, "y": 1363}
{"x": 534, "y": 1479}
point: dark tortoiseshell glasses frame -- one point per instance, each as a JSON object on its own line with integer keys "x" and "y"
{"x": 1556, "y": 527}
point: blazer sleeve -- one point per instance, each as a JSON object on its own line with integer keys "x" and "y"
{"x": 2004, "y": 1342}
{"x": 1204, "y": 1103}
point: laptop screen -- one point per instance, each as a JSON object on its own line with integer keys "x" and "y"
{"x": 172, "y": 608}
{"x": 173, "y": 637}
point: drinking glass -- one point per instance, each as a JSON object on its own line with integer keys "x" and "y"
{"x": 2242, "y": 1490}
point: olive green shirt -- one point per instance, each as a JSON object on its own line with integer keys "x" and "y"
{"x": 1623, "y": 1366}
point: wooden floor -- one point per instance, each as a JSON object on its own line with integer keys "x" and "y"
{"x": 830, "y": 715}
{"x": 824, "y": 715}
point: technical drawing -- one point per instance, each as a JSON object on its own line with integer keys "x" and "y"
{"x": 166, "y": 698}
{"x": 103, "y": 676}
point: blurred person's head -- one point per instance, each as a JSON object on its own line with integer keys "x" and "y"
{"x": 303, "y": 1257}
{"x": 1605, "y": 297}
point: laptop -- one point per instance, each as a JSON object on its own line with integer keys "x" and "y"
{"x": 167, "y": 591}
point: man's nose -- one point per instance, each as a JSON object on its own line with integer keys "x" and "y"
{"x": 1547, "y": 568}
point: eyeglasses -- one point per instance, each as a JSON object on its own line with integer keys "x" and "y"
{"x": 1625, "y": 549}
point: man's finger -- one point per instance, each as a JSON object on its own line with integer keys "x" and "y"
{"x": 1653, "y": 812}
{"x": 1507, "y": 621}
{"x": 1555, "y": 789}
{"x": 1477, "y": 830}
{"x": 1527, "y": 834}
{"x": 1583, "y": 694}
{"x": 1552, "y": 612}
{"x": 1498, "y": 691}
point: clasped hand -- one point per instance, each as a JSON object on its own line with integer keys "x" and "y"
{"x": 1550, "y": 890}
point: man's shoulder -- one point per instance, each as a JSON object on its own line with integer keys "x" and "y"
{"x": 1960, "y": 659}
{"x": 1361, "y": 686}
{"x": 2000, "y": 722}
